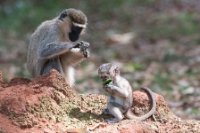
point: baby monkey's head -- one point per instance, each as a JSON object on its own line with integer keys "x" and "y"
{"x": 108, "y": 71}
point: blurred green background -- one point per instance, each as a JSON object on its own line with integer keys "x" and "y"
{"x": 156, "y": 43}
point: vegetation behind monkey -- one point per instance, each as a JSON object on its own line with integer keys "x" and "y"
{"x": 53, "y": 46}
{"x": 120, "y": 94}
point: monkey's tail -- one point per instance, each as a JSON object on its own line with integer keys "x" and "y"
{"x": 130, "y": 115}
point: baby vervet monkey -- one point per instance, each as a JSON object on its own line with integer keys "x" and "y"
{"x": 120, "y": 94}
{"x": 53, "y": 45}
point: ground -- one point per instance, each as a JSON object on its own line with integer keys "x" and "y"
{"x": 47, "y": 104}
{"x": 155, "y": 41}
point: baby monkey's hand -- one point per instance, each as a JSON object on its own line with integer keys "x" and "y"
{"x": 109, "y": 88}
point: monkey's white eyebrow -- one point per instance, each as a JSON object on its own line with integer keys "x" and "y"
{"x": 79, "y": 25}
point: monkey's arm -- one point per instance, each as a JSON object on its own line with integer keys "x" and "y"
{"x": 55, "y": 49}
{"x": 117, "y": 90}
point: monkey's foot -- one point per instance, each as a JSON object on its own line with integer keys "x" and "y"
{"x": 106, "y": 112}
{"x": 112, "y": 120}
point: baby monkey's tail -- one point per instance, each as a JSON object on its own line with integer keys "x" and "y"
{"x": 130, "y": 115}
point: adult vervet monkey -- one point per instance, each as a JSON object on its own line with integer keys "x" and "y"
{"x": 53, "y": 45}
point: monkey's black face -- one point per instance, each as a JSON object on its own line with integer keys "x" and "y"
{"x": 75, "y": 32}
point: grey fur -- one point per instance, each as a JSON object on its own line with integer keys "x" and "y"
{"x": 50, "y": 47}
{"x": 121, "y": 95}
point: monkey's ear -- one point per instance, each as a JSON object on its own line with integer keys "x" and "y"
{"x": 99, "y": 71}
{"x": 116, "y": 70}
{"x": 63, "y": 15}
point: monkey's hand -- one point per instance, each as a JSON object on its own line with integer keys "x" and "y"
{"x": 84, "y": 46}
{"x": 109, "y": 88}
{"x": 112, "y": 89}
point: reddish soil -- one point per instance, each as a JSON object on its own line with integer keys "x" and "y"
{"x": 47, "y": 104}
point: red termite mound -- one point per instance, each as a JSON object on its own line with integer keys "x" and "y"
{"x": 47, "y": 104}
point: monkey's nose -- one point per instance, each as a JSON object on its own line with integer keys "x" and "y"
{"x": 104, "y": 77}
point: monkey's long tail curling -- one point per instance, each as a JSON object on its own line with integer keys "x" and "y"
{"x": 151, "y": 95}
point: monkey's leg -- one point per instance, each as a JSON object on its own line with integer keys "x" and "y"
{"x": 55, "y": 49}
{"x": 70, "y": 76}
{"x": 75, "y": 56}
{"x": 68, "y": 61}
{"x": 116, "y": 112}
{"x": 51, "y": 64}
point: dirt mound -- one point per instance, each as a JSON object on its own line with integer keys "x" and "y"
{"x": 47, "y": 105}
